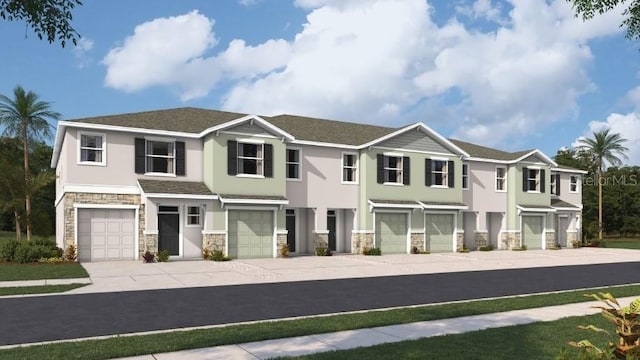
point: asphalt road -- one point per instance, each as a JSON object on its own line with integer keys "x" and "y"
{"x": 46, "y": 318}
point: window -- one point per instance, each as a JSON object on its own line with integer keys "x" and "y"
{"x": 250, "y": 159}
{"x": 501, "y": 179}
{"x": 555, "y": 184}
{"x": 194, "y": 215}
{"x": 533, "y": 180}
{"x": 293, "y": 164}
{"x": 393, "y": 169}
{"x": 160, "y": 157}
{"x": 573, "y": 187}
{"x": 92, "y": 149}
{"x": 465, "y": 176}
{"x": 349, "y": 168}
{"x": 439, "y": 172}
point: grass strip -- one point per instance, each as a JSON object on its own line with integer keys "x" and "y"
{"x": 541, "y": 340}
{"x": 44, "y": 289}
{"x": 39, "y": 271}
{"x": 236, "y": 334}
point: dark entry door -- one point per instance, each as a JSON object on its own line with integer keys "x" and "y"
{"x": 291, "y": 229}
{"x": 169, "y": 233}
{"x": 331, "y": 226}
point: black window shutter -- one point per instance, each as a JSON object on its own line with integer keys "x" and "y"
{"x": 232, "y": 157}
{"x": 543, "y": 181}
{"x": 406, "y": 170}
{"x": 525, "y": 179}
{"x": 451, "y": 174}
{"x": 380, "y": 170}
{"x": 139, "y": 156}
{"x": 180, "y": 159}
{"x": 427, "y": 172}
{"x": 558, "y": 184}
{"x": 268, "y": 160}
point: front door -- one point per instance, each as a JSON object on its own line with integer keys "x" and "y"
{"x": 169, "y": 229}
{"x": 291, "y": 229}
{"x": 331, "y": 226}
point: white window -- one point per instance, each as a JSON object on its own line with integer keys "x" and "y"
{"x": 293, "y": 164}
{"x": 349, "y": 168}
{"x": 439, "y": 172}
{"x": 555, "y": 185}
{"x": 533, "y": 180}
{"x": 194, "y": 215}
{"x": 501, "y": 179}
{"x": 574, "y": 184}
{"x": 92, "y": 149}
{"x": 250, "y": 158}
{"x": 393, "y": 169}
{"x": 160, "y": 156}
{"x": 465, "y": 176}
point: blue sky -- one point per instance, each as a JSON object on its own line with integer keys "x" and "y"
{"x": 509, "y": 74}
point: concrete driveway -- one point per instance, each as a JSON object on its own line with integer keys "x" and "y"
{"x": 135, "y": 275}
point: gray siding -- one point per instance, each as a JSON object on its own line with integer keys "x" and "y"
{"x": 248, "y": 128}
{"x": 415, "y": 140}
{"x": 533, "y": 159}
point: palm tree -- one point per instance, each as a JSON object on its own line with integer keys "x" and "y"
{"x": 604, "y": 146}
{"x": 26, "y": 117}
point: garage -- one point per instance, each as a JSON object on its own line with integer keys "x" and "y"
{"x": 439, "y": 232}
{"x": 106, "y": 234}
{"x": 391, "y": 233}
{"x": 250, "y": 234}
{"x": 532, "y": 232}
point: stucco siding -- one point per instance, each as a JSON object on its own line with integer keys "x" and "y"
{"x": 482, "y": 195}
{"x": 574, "y": 198}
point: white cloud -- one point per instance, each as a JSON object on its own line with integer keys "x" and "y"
{"x": 248, "y": 2}
{"x": 627, "y": 125}
{"x": 482, "y": 9}
{"x": 81, "y": 52}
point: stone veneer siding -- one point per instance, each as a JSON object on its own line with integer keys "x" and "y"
{"x": 481, "y": 238}
{"x": 319, "y": 239}
{"x": 572, "y": 236}
{"x": 417, "y": 240}
{"x": 213, "y": 242}
{"x": 281, "y": 239}
{"x": 510, "y": 240}
{"x": 361, "y": 241}
{"x": 459, "y": 240}
{"x": 72, "y": 198}
{"x": 549, "y": 239}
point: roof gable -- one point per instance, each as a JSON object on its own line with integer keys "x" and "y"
{"x": 415, "y": 140}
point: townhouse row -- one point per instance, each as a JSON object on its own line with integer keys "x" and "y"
{"x": 189, "y": 179}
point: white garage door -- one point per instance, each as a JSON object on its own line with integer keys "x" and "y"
{"x": 250, "y": 234}
{"x": 106, "y": 234}
{"x": 439, "y": 232}
{"x": 391, "y": 233}
{"x": 532, "y": 232}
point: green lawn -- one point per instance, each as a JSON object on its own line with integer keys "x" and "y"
{"x": 235, "y": 334}
{"x": 544, "y": 340}
{"x": 45, "y": 289}
{"x": 37, "y": 271}
{"x": 623, "y": 243}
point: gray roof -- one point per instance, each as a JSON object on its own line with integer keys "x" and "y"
{"x": 399, "y": 202}
{"x": 329, "y": 131}
{"x": 174, "y": 187}
{"x": 436, "y": 203}
{"x": 539, "y": 207}
{"x": 557, "y": 203}
{"x": 251, "y": 197}
{"x": 187, "y": 119}
{"x": 488, "y": 153}
{"x": 565, "y": 167}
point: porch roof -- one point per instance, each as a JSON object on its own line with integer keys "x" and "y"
{"x": 245, "y": 199}
{"x": 561, "y": 204}
{"x": 175, "y": 189}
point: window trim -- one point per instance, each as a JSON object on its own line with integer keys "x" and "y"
{"x": 146, "y": 157}
{"x": 577, "y": 184}
{"x": 537, "y": 178}
{"x": 465, "y": 176}
{"x": 444, "y": 172}
{"x": 400, "y": 170}
{"x": 504, "y": 179}
{"x": 103, "y": 149}
{"x": 287, "y": 163}
{"x": 356, "y": 167}
{"x": 239, "y": 158}
{"x": 189, "y": 215}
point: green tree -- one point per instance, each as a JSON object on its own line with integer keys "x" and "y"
{"x": 587, "y": 9}
{"x": 603, "y": 146}
{"x": 26, "y": 117}
{"x": 49, "y": 19}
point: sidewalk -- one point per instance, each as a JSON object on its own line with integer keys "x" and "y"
{"x": 44, "y": 282}
{"x": 344, "y": 340}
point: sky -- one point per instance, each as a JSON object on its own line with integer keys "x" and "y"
{"x": 515, "y": 75}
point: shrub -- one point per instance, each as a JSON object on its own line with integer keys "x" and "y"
{"x": 28, "y": 251}
{"x": 71, "y": 253}
{"x": 163, "y": 255}
{"x": 218, "y": 255}
{"x": 206, "y": 254}
{"x": 520, "y": 248}
{"x": 374, "y": 251}
{"x": 148, "y": 257}
{"x": 284, "y": 250}
{"x": 488, "y": 247}
{"x": 51, "y": 260}
{"x": 576, "y": 244}
{"x": 323, "y": 251}
{"x": 415, "y": 250}
{"x": 8, "y": 249}
{"x": 627, "y": 324}
{"x": 464, "y": 250}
